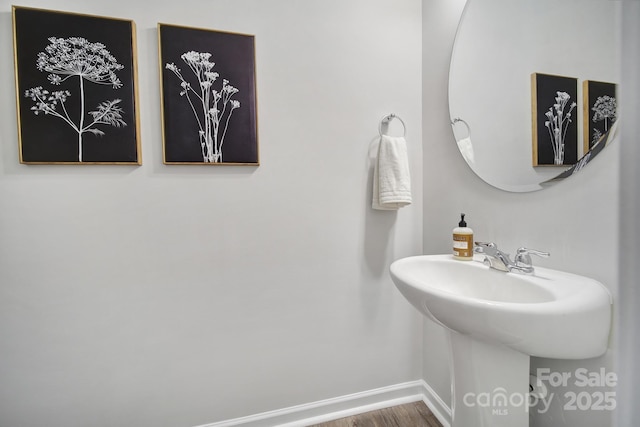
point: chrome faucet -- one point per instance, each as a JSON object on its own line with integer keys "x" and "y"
{"x": 499, "y": 260}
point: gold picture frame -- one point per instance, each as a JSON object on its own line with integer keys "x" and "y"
{"x": 208, "y": 96}
{"x": 76, "y": 88}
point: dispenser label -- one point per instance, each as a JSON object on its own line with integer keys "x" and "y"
{"x": 462, "y": 245}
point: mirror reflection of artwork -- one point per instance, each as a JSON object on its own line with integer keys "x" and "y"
{"x": 555, "y": 125}
{"x": 599, "y": 109}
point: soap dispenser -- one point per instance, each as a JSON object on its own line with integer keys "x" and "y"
{"x": 463, "y": 241}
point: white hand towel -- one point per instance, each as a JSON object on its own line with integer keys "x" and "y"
{"x": 466, "y": 148}
{"x": 391, "y": 178}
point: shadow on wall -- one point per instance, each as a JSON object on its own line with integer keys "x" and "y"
{"x": 378, "y": 226}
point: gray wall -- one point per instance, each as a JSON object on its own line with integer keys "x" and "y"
{"x": 178, "y": 296}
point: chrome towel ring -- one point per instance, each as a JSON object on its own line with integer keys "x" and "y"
{"x": 386, "y": 119}
{"x": 459, "y": 120}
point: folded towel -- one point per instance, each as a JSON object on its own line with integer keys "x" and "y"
{"x": 466, "y": 148}
{"x": 391, "y": 180}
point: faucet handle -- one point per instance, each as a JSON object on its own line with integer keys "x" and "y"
{"x": 523, "y": 256}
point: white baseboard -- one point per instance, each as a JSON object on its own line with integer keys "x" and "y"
{"x": 441, "y": 410}
{"x": 344, "y": 406}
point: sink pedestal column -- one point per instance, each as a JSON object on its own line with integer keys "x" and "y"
{"x": 490, "y": 384}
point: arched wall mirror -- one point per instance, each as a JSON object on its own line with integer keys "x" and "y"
{"x": 517, "y": 69}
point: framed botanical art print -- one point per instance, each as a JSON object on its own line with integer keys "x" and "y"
{"x": 600, "y": 111}
{"x": 554, "y": 120}
{"x": 76, "y": 88}
{"x": 208, "y": 100}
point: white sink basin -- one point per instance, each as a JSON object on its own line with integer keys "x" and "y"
{"x": 548, "y": 314}
{"x": 497, "y": 320}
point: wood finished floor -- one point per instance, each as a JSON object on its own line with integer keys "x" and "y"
{"x": 409, "y": 415}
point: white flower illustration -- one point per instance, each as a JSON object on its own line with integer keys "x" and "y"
{"x": 557, "y": 124}
{"x": 73, "y": 57}
{"x": 212, "y": 108}
{"x": 604, "y": 109}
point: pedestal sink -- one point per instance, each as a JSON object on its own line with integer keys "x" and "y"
{"x": 496, "y": 321}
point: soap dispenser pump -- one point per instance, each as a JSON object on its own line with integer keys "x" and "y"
{"x": 463, "y": 241}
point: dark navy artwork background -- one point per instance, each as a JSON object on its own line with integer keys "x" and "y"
{"x": 45, "y": 138}
{"x": 234, "y": 57}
